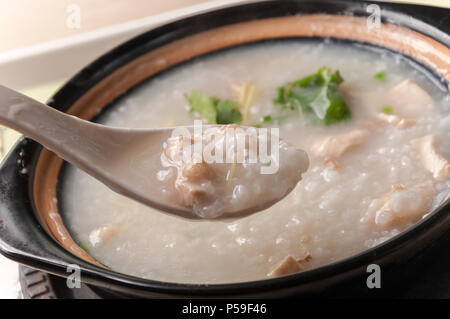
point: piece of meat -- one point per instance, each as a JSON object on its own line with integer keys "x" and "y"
{"x": 409, "y": 100}
{"x": 289, "y": 265}
{"x": 99, "y": 235}
{"x": 176, "y": 145}
{"x": 430, "y": 157}
{"x": 411, "y": 92}
{"x": 331, "y": 163}
{"x": 192, "y": 184}
{"x": 396, "y": 120}
{"x": 232, "y": 170}
{"x": 400, "y": 204}
{"x": 335, "y": 146}
{"x": 193, "y": 193}
{"x": 197, "y": 171}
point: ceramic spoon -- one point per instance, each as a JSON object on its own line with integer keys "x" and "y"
{"x": 118, "y": 157}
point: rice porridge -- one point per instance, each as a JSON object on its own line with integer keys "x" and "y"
{"x": 378, "y": 138}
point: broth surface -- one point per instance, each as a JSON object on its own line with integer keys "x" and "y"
{"x": 348, "y": 201}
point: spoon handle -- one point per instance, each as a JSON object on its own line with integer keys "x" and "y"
{"x": 72, "y": 138}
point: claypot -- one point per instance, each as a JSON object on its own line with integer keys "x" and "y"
{"x": 31, "y": 229}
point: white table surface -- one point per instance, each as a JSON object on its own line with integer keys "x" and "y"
{"x": 9, "y": 279}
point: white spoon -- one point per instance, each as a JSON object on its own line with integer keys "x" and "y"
{"x": 118, "y": 157}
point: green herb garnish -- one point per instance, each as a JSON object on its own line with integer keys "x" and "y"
{"x": 267, "y": 118}
{"x": 214, "y": 110}
{"x": 317, "y": 95}
{"x": 83, "y": 246}
{"x": 227, "y": 112}
{"x": 381, "y": 76}
{"x": 387, "y": 110}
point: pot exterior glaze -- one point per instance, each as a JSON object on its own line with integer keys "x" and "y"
{"x": 31, "y": 229}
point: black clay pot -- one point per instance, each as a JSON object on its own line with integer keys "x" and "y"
{"x": 28, "y": 236}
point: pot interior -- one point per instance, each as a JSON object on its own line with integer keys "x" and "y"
{"x": 432, "y": 54}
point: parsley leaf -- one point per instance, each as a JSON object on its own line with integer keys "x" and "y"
{"x": 227, "y": 112}
{"x": 214, "y": 110}
{"x": 387, "y": 110}
{"x": 267, "y": 118}
{"x": 316, "y": 94}
{"x": 381, "y": 76}
{"x": 204, "y": 105}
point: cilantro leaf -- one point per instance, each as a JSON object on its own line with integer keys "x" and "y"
{"x": 316, "y": 94}
{"x": 267, "y": 118}
{"x": 227, "y": 112}
{"x": 83, "y": 246}
{"x": 204, "y": 105}
{"x": 214, "y": 110}
{"x": 387, "y": 110}
{"x": 381, "y": 76}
